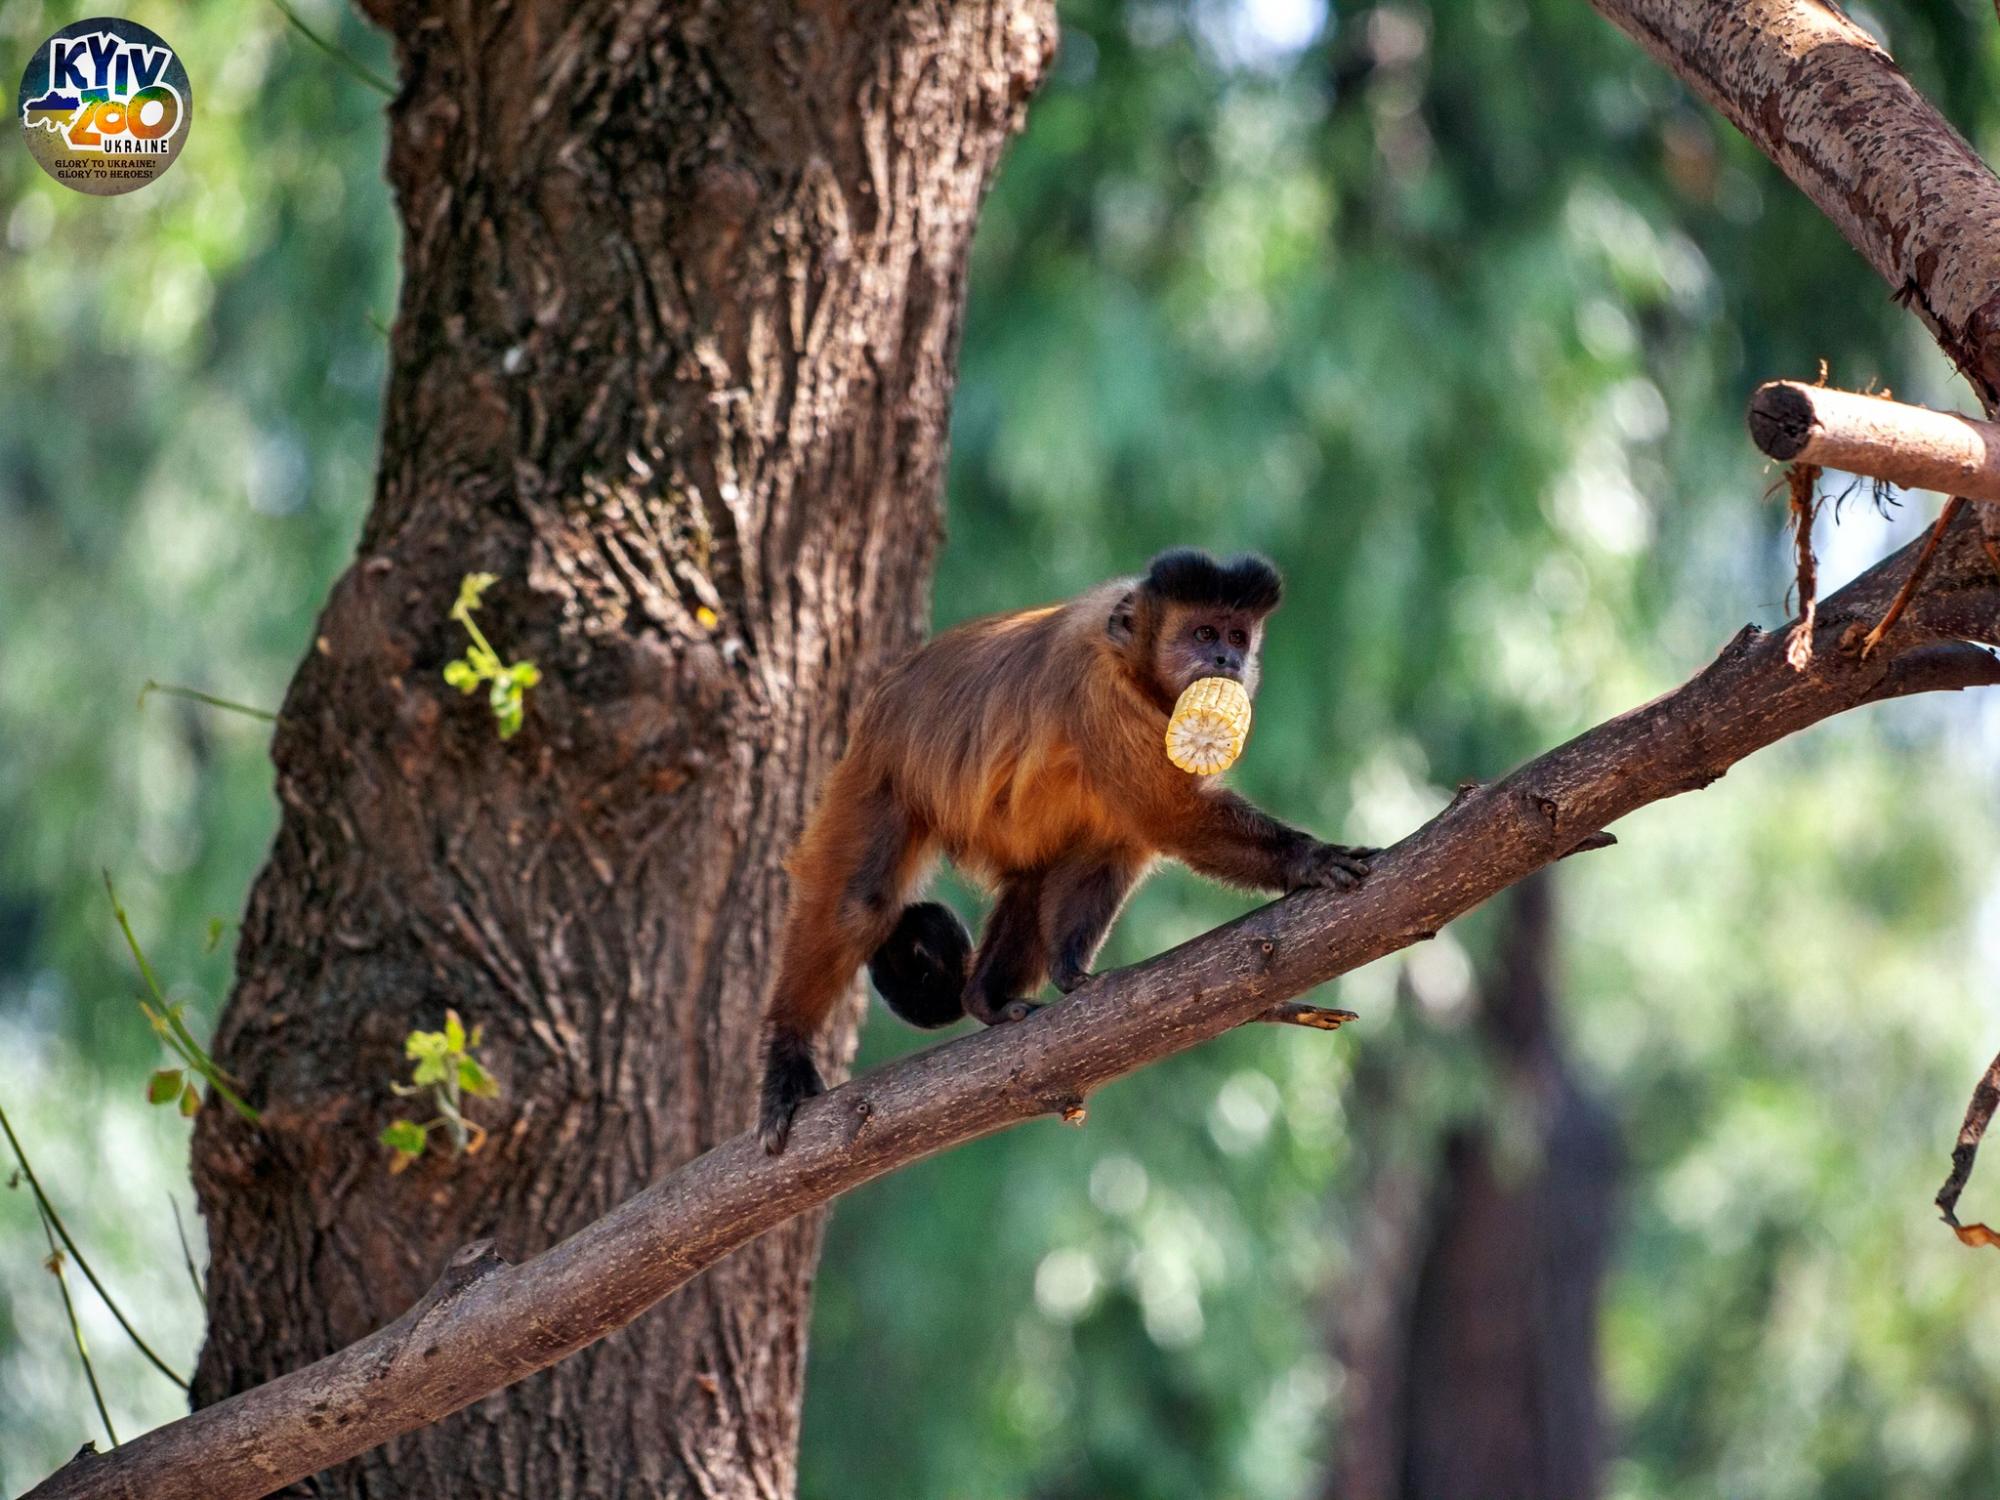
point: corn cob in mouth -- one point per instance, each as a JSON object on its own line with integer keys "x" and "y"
{"x": 1209, "y": 725}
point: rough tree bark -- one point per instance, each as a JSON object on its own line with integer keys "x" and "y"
{"x": 1471, "y": 1342}
{"x": 682, "y": 286}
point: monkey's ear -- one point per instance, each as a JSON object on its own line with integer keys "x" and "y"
{"x": 1123, "y": 626}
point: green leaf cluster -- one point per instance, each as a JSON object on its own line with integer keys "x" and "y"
{"x": 447, "y": 1072}
{"x": 506, "y": 685}
{"x": 173, "y": 1086}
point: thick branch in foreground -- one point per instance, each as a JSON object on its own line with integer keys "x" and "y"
{"x": 1824, "y": 100}
{"x": 487, "y": 1323}
{"x": 1913, "y": 446}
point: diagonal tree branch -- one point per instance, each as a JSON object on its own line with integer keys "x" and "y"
{"x": 1825, "y": 101}
{"x": 487, "y": 1324}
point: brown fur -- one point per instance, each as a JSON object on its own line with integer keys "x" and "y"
{"x": 1029, "y": 749}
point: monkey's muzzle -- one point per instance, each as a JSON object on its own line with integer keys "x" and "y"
{"x": 1210, "y": 723}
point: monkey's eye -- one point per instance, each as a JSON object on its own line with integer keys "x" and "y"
{"x": 1204, "y": 633}
{"x": 1238, "y": 638}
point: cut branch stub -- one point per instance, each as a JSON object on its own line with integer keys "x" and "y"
{"x": 1913, "y": 446}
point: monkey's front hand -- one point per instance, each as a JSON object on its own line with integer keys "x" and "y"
{"x": 1326, "y": 867}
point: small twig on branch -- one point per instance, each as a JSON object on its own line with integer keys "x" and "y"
{"x": 187, "y": 1253}
{"x": 55, "y": 1268}
{"x": 1803, "y": 480}
{"x": 1909, "y": 589}
{"x": 339, "y": 54}
{"x": 48, "y": 1211}
{"x": 1908, "y": 445}
{"x": 1978, "y": 1115}
{"x": 195, "y": 695}
{"x": 1298, "y": 1013}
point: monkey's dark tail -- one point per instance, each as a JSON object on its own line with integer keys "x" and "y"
{"x": 920, "y": 970}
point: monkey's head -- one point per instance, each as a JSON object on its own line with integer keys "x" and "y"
{"x": 1192, "y": 617}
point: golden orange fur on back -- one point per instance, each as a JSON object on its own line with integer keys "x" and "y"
{"x": 1008, "y": 780}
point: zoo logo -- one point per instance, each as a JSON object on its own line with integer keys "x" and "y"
{"x": 105, "y": 105}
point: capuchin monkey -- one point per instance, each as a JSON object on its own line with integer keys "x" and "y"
{"x": 1029, "y": 749}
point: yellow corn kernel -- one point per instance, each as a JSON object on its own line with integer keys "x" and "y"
{"x": 1210, "y": 723}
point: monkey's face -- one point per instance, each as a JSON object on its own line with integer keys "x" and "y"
{"x": 1194, "y": 642}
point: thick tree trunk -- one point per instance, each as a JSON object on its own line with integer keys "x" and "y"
{"x": 1472, "y": 1350}
{"x": 681, "y": 296}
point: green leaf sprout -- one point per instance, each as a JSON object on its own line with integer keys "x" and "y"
{"x": 508, "y": 685}
{"x": 170, "y": 1025}
{"x": 448, "y": 1072}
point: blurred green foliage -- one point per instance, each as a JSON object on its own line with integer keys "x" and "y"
{"x": 1450, "y": 308}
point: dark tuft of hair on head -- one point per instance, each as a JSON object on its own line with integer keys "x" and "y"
{"x": 1188, "y": 576}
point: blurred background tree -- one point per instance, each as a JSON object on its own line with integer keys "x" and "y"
{"x": 1450, "y": 308}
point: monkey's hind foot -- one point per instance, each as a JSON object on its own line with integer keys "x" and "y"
{"x": 998, "y": 1012}
{"x": 1069, "y": 978}
{"x": 789, "y": 1080}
